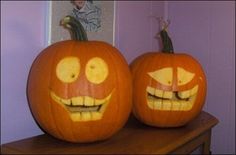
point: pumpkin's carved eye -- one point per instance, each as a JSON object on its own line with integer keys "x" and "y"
{"x": 68, "y": 69}
{"x": 96, "y": 70}
{"x": 163, "y": 76}
{"x": 184, "y": 76}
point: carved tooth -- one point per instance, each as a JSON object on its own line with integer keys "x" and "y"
{"x": 108, "y": 97}
{"x": 185, "y": 105}
{"x": 194, "y": 90}
{"x": 102, "y": 101}
{"x": 60, "y": 100}
{"x": 188, "y": 105}
{"x": 167, "y": 94}
{"x": 96, "y": 115}
{"x": 166, "y": 105}
{"x": 99, "y": 101}
{"x": 182, "y": 105}
{"x": 150, "y": 102}
{"x": 158, "y": 104}
{"x": 188, "y": 93}
{"x": 192, "y": 99}
{"x": 151, "y": 90}
{"x": 175, "y": 105}
{"x": 66, "y": 102}
{"x": 103, "y": 107}
{"x": 85, "y": 116}
{"x": 88, "y": 101}
{"x": 159, "y": 93}
{"x": 55, "y": 97}
{"x": 184, "y": 94}
{"x": 75, "y": 116}
{"x": 77, "y": 101}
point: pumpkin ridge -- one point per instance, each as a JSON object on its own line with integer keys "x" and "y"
{"x": 149, "y": 83}
{"x": 111, "y": 57}
{"x": 180, "y": 116}
{"x": 57, "y": 52}
{"x": 51, "y": 109}
{"x": 117, "y": 126}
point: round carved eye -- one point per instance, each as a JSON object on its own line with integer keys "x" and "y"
{"x": 96, "y": 70}
{"x": 68, "y": 69}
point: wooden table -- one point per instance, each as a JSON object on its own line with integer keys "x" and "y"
{"x": 134, "y": 138}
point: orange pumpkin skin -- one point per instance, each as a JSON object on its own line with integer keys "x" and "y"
{"x": 55, "y": 118}
{"x": 170, "y": 116}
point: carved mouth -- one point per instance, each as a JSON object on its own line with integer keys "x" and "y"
{"x": 83, "y": 108}
{"x": 171, "y": 101}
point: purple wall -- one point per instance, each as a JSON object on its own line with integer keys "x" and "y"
{"x": 202, "y": 29}
{"x": 136, "y": 28}
{"x": 22, "y": 38}
{"x": 206, "y": 30}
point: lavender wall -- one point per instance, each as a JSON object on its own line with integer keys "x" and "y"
{"x": 22, "y": 38}
{"x": 206, "y": 30}
{"x": 136, "y": 27}
{"x": 203, "y": 29}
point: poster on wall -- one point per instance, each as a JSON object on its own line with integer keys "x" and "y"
{"x": 97, "y": 18}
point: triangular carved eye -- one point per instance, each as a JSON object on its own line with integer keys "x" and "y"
{"x": 184, "y": 76}
{"x": 163, "y": 76}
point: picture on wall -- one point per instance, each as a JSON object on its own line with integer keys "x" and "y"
{"x": 97, "y": 18}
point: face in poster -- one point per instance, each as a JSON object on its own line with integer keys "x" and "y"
{"x": 88, "y": 13}
{"x": 97, "y": 18}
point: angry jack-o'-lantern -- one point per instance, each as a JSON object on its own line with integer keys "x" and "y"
{"x": 168, "y": 89}
{"x": 79, "y": 90}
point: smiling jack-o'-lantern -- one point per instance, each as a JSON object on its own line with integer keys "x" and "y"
{"x": 75, "y": 91}
{"x": 168, "y": 89}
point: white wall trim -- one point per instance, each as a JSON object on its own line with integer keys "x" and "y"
{"x": 48, "y": 23}
{"x": 114, "y": 23}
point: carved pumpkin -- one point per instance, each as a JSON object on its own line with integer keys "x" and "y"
{"x": 78, "y": 90}
{"x": 168, "y": 89}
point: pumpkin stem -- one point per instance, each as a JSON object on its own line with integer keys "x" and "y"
{"x": 76, "y": 29}
{"x": 166, "y": 41}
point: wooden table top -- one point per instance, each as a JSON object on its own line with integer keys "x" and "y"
{"x": 134, "y": 138}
